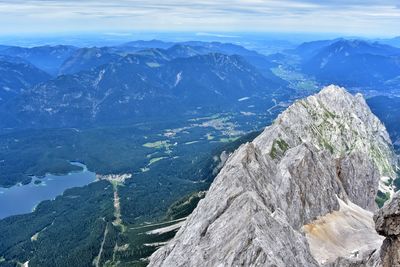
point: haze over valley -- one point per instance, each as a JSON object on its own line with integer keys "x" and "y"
{"x": 227, "y": 140}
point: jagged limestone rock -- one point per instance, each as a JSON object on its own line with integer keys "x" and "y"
{"x": 387, "y": 223}
{"x": 343, "y": 238}
{"x": 323, "y": 154}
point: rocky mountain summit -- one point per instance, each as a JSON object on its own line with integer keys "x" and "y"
{"x": 301, "y": 194}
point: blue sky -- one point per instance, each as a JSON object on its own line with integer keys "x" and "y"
{"x": 359, "y": 17}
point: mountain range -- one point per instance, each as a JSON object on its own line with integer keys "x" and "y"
{"x": 351, "y": 63}
{"x": 17, "y": 76}
{"x": 302, "y": 192}
{"x": 46, "y": 58}
{"x": 392, "y": 41}
{"x": 86, "y": 59}
{"x": 151, "y": 83}
{"x": 170, "y": 115}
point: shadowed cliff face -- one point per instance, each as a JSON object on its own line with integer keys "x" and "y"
{"x": 387, "y": 222}
{"x": 324, "y": 156}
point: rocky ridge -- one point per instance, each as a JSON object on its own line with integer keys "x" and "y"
{"x": 387, "y": 222}
{"x": 315, "y": 170}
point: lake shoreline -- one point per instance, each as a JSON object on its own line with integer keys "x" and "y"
{"x": 24, "y": 198}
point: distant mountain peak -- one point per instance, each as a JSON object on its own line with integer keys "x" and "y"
{"x": 17, "y": 76}
{"x": 351, "y": 62}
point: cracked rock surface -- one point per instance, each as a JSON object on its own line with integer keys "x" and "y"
{"x": 319, "y": 164}
{"x": 387, "y": 223}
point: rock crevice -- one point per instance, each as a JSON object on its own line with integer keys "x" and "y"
{"x": 387, "y": 223}
{"x": 281, "y": 199}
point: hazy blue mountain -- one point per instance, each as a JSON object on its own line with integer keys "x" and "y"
{"x": 16, "y": 76}
{"x": 363, "y": 47}
{"x": 354, "y": 63}
{"x": 87, "y": 58}
{"x": 225, "y": 48}
{"x": 188, "y": 49}
{"x": 13, "y": 59}
{"x": 393, "y": 41}
{"x": 46, "y": 58}
{"x": 140, "y": 45}
{"x": 388, "y": 110}
{"x": 191, "y": 48}
{"x": 308, "y": 49}
{"x": 183, "y": 51}
{"x": 3, "y": 47}
{"x": 138, "y": 87}
{"x": 251, "y": 56}
{"x": 215, "y": 78}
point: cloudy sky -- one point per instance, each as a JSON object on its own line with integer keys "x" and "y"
{"x": 362, "y": 17}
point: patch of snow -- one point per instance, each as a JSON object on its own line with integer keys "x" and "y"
{"x": 323, "y": 63}
{"x": 167, "y": 229}
{"x": 125, "y": 100}
{"x": 246, "y": 113}
{"x": 156, "y": 244}
{"x": 153, "y": 64}
{"x": 143, "y": 78}
{"x": 220, "y": 76}
{"x": 217, "y": 92}
{"x": 178, "y": 78}
{"x": 99, "y": 77}
{"x": 77, "y": 95}
{"x": 244, "y": 98}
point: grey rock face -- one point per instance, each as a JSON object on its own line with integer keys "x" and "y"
{"x": 323, "y": 151}
{"x": 387, "y": 222}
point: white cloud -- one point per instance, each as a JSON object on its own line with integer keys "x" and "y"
{"x": 347, "y": 16}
